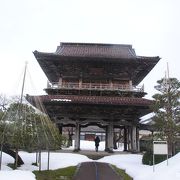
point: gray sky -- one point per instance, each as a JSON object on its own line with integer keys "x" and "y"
{"x": 151, "y": 26}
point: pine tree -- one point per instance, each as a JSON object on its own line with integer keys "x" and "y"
{"x": 166, "y": 109}
{"x": 23, "y": 128}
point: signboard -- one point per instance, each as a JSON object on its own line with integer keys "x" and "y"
{"x": 160, "y": 147}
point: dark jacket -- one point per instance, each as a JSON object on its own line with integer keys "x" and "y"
{"x": 97, "y": 140}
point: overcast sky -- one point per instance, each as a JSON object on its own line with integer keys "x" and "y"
{"x": 152, "y": 27}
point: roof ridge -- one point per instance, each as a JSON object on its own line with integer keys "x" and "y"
{"x": 93, "y": 44}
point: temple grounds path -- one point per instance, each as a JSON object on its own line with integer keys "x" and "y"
{"x": 96, "y": 171}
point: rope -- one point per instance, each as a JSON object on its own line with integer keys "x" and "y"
{"x": 22, "y": 125}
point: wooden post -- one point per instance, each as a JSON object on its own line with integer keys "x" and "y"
{"x": 106, "y": 139}
{"x": 48, "y": 159}
{"x": 137, "y": 139}
{"x": 130, "y": 138}
{"x": 125, "y": 138}
{"x": 110, "y": 135}
{"x": 39, "y": 159}
{"x": 134, "y": 139}
{"x": 77, "y": 137}
{"x": 36, "y": 157}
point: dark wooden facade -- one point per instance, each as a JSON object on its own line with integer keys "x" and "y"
{"x": 96, "y": 84}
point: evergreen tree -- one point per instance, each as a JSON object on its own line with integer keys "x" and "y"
{"x": 166, "y": 109}
{"x": 1, "y": 114}
{"x": 22, "y": 128}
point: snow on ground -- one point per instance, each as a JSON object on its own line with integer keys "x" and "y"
{"x": 132, "y": 163}
{"x": 57, "y": 160}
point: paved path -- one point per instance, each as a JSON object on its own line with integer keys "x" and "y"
{"x": 93, "y": 154}
{"x": 96, "y": 171}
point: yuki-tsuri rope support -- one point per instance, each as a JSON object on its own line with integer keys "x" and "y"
{"x": 25, "y": 128}
{"x": 4, "y": 126}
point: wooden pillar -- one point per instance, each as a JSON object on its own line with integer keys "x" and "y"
{"x": 125, "y": 138}
{"x": 129, "y": 138}
{"x": 77, "y": 137}
{"x": 127, "y": 129}
{"x": 106, "y": 139}
{"x": 134, "y": 139}
{"x": 137, "y": 139}
{"x": 110, "y": 134}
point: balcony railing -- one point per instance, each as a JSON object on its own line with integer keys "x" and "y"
{"x": 95, "y": 86}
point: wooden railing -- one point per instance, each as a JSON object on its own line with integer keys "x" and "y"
{"x": 93, "y": 86}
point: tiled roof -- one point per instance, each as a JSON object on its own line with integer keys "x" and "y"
{"x": 122, "y": 55}
{"x": 96, "y": 50}
{"x": 91, "y": 100}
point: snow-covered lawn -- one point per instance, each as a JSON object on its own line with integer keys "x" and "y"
{"x": 130, "y": 162}
{"x": 133, "y": 166}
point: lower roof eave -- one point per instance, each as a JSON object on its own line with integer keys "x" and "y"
{"x": 94, "y": 100}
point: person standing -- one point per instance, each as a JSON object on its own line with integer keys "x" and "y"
{"x": 97, "y": 141}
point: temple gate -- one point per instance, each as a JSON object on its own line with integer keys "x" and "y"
{"x": 96, "y": 84}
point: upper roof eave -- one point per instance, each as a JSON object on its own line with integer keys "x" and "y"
{"x": 41, "y": 55}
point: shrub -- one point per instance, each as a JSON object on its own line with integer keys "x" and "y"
{"x": 148, "y": 158}
{"x": 145, "y": 145}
